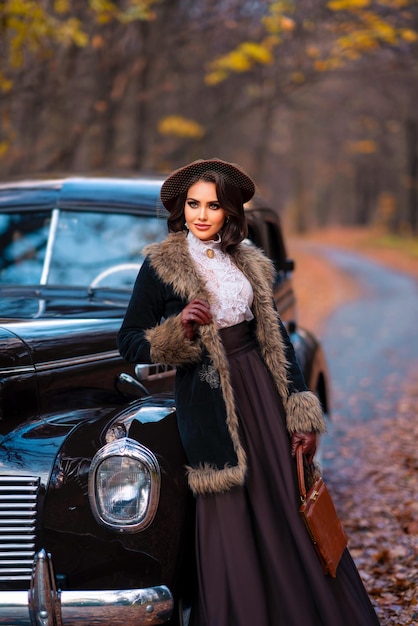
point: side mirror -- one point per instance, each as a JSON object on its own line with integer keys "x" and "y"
{"x": 127, "y": 380}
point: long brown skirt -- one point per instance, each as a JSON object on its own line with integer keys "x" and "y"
{"x": 256, "y": 564}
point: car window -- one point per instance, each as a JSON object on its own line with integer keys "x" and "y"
{"x": 90, "y": 246}
{"x": 23, "y": 240}
{"x": 75, "y": 248}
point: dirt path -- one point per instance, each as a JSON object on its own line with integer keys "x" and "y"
{"x": 376, "y": 494}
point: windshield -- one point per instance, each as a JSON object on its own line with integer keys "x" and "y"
{"x": 74, "y": 248}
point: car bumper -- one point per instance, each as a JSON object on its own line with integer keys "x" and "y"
{"x": 42, "y": 605}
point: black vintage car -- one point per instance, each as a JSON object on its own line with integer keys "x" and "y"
{"x": 96, "y": 522}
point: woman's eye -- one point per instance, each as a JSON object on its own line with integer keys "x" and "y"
{"x": 215, "y": 206}
{"x": 192, "y": 204}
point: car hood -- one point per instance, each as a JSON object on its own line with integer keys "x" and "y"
{"x": 42, "y": 302}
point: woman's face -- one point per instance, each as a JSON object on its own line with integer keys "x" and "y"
{"x": 203, "y": 214}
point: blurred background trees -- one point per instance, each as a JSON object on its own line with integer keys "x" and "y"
{"x": 316, "y": 99}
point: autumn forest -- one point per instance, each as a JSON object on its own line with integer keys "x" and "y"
{"x": 316, "y": 99}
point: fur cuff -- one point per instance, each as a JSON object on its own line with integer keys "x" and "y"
{"x": 209, "y": 479}
{"x": 304, "y": 413}
{"x": 169, "y": 345}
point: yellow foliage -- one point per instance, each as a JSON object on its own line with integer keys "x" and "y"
{"x": 275, "y": 24}
{"x": 334, "y": 63}
{"x": 379, "y": 28}
{"x": 138, "y": 10}
{"x": 321, "y": 65}
{"x": 5, "y": 83}
{"x": 348, "y": 5}
{"x": 280, "y": 6}
{"x": 271, "y": 41}
{"x": 256, "y": 52}
{"x": 364, "y": 146}
{"x": 179, "y": 126}
{"x": 408, "y": 35}
{"x": 235, "y": 61}
{"x": 31, "y": 27}
{"x": 106, "y": 11}
{"x": 72, "y": 33}
{"x": 4, "y": 146}
{"x": 62, "y": 6}
{"x": 351, "y": 54}
{"x": 369, "y": 29}
{"x": 313, "y": 52}
{"x": 241, "y": 59}
{"x": 102, "y": 6}
{"x": 277, "y": 20}
{"x": 216, "y": 77}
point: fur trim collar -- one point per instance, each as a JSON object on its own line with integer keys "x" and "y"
{"x": 166, "y": 258}
{"x": 173, "y": 253}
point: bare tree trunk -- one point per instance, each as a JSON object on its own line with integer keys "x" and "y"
{"x": 366, "y": 194}
{"x": 411, "y": 127}
{"x": 261, "y": 149}
{"x": 299, "y": 191}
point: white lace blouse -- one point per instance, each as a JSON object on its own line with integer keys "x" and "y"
{"x": 231, "y": 293}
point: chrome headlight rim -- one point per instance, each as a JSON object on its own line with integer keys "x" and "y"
{"x": 131, "y": 449}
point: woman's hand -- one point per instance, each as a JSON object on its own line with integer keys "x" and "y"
{"x": 196, "y": 312}
{"x": 308, "y": 442}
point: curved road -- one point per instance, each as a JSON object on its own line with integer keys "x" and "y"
{"x": 371, "y": 344}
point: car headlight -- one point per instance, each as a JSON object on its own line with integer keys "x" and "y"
{"x": 124, "y": 486}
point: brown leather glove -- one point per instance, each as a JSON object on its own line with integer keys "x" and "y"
{"x": 197, "y": 312}
{"x": 308, "y": 442}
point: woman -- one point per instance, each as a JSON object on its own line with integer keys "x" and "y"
{"x": 203, "y": 302}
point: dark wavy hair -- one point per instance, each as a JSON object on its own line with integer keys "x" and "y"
{"x": 229, "y": 197}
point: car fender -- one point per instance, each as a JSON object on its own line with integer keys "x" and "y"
{"x": 312, "y": 360}
{"x": 146, "y": 557}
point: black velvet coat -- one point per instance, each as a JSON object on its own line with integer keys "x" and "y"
{"x": 152, "y": 333}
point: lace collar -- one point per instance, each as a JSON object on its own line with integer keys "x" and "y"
{"x": 204, "y": 248}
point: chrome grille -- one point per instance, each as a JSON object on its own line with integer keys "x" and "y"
{"x": 18, "y": 496}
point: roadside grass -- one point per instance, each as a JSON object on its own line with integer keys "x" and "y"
{"x": 407, "y": 246}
